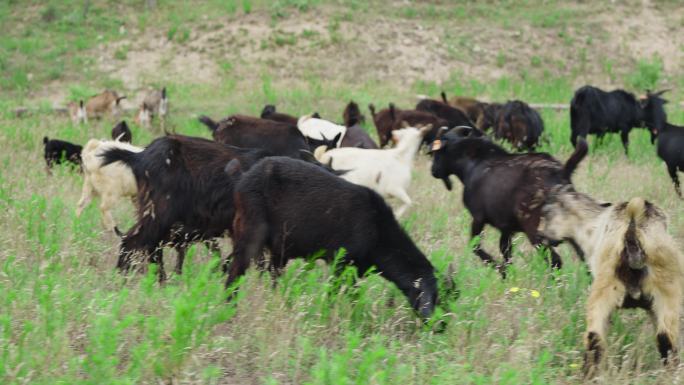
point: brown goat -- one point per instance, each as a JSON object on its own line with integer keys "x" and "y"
{"x": 634, "y": 263}
{"x": 106, "y": 103}
{"x": 471, "y": 106}
{"x": 392, "y": 118}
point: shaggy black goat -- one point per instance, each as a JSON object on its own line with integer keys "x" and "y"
{"x": 296, "y": 209}
{"x": 184, "y": 194}
{"x": 519, "y": 124}
{"x": 121, "y": 132}
{"x": 594, "y": 111}
{"x": 504, "y": 190}
{"x": 58, "y": 151}
{"x": 671, "y": 150}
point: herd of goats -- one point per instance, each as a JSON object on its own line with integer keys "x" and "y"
{"x": 307, "y": 186}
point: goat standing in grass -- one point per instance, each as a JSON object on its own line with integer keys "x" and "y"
{"x": 388, "y": 172}
{"x": 155, "y": 104}
{"x": 111, "y": 182}
{"x": 634, "y": 262}
{"x": 106, "y": 103}
{"x": 504, "y": 190}
{"x": 671, "y": 151}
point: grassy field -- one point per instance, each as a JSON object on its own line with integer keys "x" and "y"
{"x": 67, "y": 317}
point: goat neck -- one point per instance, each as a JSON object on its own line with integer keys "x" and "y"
{"x": 408, "y": 147}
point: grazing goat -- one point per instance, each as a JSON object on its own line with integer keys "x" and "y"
{"x": 77, "y": 112}
{"x": 634, "y": 263}
{"x": 269, "y": 112}
{"x": 356, "y": 136}
{"x": 121, "y": 132}
{"x": 490, "y": 114}
{"x": 520, "y": 125}
{"x": 295, "y": 209}
{"x": 58, "y": 151}
{"x": 111, "y": 182}
{"x": 671, "y": 151}
{"x": 321, "y": 130}
{"x": 184, "y": 194}
{"x": 503, "y": 190}
{"x": 106, "y": 103}
{"x": 388, "y": 172}
{"x": 249, "y": 132}
{"x": 454, "y": 116}
{"x": 594, "y": 111}
{"x": 154, "y": 104}
{"x": 473, "y": 108}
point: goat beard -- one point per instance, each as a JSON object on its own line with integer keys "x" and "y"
{"x": 447, "y": 183}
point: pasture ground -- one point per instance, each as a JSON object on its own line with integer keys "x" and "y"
{"x": 67, "y": 317}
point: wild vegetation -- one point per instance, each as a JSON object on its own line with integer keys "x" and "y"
{"x": 68, "y": 317}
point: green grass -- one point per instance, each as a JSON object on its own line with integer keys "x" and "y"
{"x": 68, "y": 317}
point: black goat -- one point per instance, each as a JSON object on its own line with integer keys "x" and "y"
{"x": 519, "y": 124}
{"x": 671, "y": 150}
{"x": 184, "y": 193}
{"x": 504, "y": 190}
{"x": 296, "y": 209}
{"x": 594, "y": 111}
{"x": 121, "y": 132}
{"x": 59, "y": 151}
{"x": 249, "y": 132}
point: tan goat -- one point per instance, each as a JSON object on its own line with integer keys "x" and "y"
{"x": 111, "y": 182}
{"x": 634, "y": 263}
{"x": 106, "y": 103}
{"x": 154, "y": 104}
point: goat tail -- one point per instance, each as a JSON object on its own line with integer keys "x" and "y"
{"x": 580, "y": 152}
{"x": 45, "y": 140}
{"x": 444, "y": 98}
{"x": 392, "y": 111}
{"x": 163, "y": 93}
{"x": 112, "y": 155}
{"x": 319, "y": 151}
{"x": 209, "y": 122}
{"x": 636, "y": 209}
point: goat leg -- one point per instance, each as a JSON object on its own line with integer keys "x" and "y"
{"x": 672, "y": 170}
{"x": 476, "y": 231}
{"x": 666, "y": 309}
{"x": 604, "y": 297}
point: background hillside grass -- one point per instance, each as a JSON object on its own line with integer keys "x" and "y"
{"x": 68, "y": 317}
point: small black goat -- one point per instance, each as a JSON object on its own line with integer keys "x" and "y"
{"x": 504, "y": 190}
{"x": 594, "y": 111}
{"x": 519, "y": 124}
{"x": 296, "y": 209}
{"x": 356, "y": 136}
{"x": 121, "y": 132}
{"x": 671, "y": 151}
{"x": 59, "y": 151}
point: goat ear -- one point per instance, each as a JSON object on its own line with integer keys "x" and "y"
{"x": 336, "y": 139}
{"x": 233, "y": 168}
{"x": 606, "y": 204}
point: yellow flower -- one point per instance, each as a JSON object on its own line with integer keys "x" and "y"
{"x": 534, "y": 294}
{"x": 514, "y": 289}
{"x": 574, "y": 366}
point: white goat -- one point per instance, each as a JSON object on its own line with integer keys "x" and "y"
{"x": 110, "y": 182}
{"x": 77, "y": 112}
{"x": 320, "y": 129}
{"x": 633, "y": 260}
{"x": 154, "y": 104}
{"x": 388, "y": 172}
